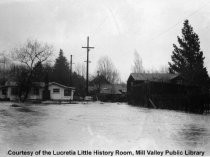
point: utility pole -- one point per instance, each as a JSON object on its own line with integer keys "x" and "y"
{"x": 87, "y": 71}
{"x": 71, "y": 70}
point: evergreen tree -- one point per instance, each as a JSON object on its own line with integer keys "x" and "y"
{"x": 38, "y": 73}
{"x": 61, "y": 69}
{"x": 79, "y": 83}
{"x": 48, "y": 70}
{"x": 188, "y": 59}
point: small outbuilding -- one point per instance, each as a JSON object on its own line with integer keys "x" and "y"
{"x": 113, "y": 92}
{"x": 160, "y": 90}
{"x": 136, "y": 79}
{"x": 166, "y": 91}
{"x": 60, "y": 92}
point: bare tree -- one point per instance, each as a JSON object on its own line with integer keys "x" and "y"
{"x": 164, "y": 69}
{"x": 5, "y": 61}
{"x": 161, "y": 69}
{"x": 30, "y": 54}
{"x": 33, "y": 52}
{"x": 108, "y": 70}
{"x": 6, "y": 64}
{"x": 80, "y": 69}
{"x": 137, "y": 67}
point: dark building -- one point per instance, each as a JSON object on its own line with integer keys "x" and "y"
{"x": 161, "y": 90}
{"x": 139, "y": 78}
{"x": 113, "y": 92}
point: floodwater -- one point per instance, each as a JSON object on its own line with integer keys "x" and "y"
{"x": 100, "y": 126}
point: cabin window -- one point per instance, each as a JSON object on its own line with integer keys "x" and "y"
{"x": 67, "y": 92}
{"x": 35, "y": 91}
{"x": 56, "y": 90}
{"x": 4, "y": 91}
{"x": 14, "y": 91}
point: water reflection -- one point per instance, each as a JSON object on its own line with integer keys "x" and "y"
{"x": 24, "y": 109}
{"x": 18, "y": 125}
{"x": 100, "y": 125}
{"x": 194, "y": 135}
{"x": 4, "y": 113}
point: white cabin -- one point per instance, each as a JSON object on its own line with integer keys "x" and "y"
{"x": 10, "y": 91}
{"x": 57, "y": 91}
{"x": 60, "y": 92}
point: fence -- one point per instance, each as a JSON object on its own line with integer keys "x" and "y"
{"x": 169, "y": 96}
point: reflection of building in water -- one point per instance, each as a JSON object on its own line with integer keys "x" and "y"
{"x": 194, "y": 135}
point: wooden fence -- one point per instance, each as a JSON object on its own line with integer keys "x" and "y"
{"x": 169, "y": 96}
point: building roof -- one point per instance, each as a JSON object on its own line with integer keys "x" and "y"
{"x": 155, "y": 77}
{"x": 60, "y": 85}
{"x": 99, "y": 80}
{"x": 113, "y": 89}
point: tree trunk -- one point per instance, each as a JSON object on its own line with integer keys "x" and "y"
{"x": 28, "y": 86}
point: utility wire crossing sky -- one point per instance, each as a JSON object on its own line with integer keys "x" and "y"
{"x": 117, "y": 28}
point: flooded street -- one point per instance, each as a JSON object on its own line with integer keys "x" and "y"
{"x": 107, "y": 126}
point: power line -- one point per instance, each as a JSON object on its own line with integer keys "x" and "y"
{"x": 170, "y": 28}
{"x": 160, "y": 34}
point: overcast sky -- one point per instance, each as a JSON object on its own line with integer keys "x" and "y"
{"x": 116, "y": 28}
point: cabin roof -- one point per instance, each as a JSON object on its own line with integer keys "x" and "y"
{"x": 155, "y": 77}
{"x": 60, "y": 85}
